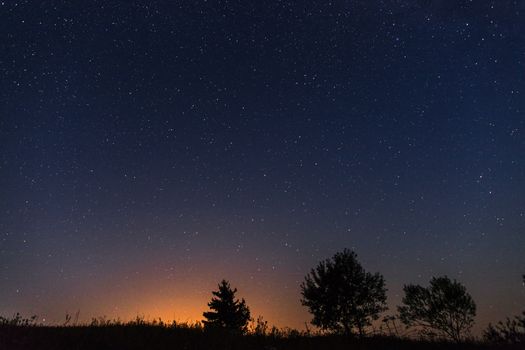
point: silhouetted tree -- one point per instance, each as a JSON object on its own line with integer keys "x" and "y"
{"x": 228, "y": 312}
{"x": 444, "y": 309}
{"x": 342, "y": 296}
{"x": 512, "y": 331}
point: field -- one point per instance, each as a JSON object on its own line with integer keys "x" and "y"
{"x": 156, "y": 336}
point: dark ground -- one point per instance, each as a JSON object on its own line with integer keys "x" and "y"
{"x": 162, "y": 337}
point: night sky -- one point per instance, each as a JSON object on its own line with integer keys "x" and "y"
{"x": 151, "y": 148}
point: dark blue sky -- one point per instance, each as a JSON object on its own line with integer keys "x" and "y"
{"x": 149, "y": 149}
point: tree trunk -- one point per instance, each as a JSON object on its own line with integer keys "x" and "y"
{"x": 360, "y": 327}
{"x": 347, "y": 330}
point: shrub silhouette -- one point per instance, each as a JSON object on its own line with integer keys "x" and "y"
{"x": 228, "y": 312}
{"x": 444, "y": 309}
{"x": 18, "y": 320}
{"x": 512, "y": 331}
{"x": 342, "y": 296}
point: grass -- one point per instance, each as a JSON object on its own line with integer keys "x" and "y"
{"x": 18, "y": 333}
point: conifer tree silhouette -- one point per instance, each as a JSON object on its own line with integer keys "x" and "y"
{"x": 227, "y": 311}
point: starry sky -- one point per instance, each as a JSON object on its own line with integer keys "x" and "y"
{"x": 151, "y": 148}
